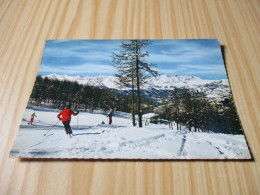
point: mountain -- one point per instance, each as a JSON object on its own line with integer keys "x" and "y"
{"x": 157, "y": 86}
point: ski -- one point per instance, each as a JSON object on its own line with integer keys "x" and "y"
{"x": 49, "y": 135}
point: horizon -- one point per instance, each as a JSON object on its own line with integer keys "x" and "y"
{"x": 184, "y": 57}
{"x": 114, "y": 76}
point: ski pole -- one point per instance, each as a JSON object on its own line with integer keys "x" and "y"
{"x": 51, "y": 128}
{"x": 77, "y": 121}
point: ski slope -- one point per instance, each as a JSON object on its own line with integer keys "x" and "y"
{"x": 93, "y": 140}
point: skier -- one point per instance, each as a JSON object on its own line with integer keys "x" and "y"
{"x": 146, "y": 122}
{"x": 110, "y": 115}
{"x": 170, "y": 125}
{"x": 32, "y": 118}
{"x": 66, "y": 118}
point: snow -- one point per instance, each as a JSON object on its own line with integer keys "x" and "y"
{"x": 93, "y": 140}
{"x": 213, "y": 89}
{"x": 150, "y": 115}
{"x": 161, "y": 82}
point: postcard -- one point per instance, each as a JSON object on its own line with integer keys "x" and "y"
{"x": 131, "y": 99}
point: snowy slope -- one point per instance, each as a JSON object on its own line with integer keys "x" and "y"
{"x": 119, "y": 141}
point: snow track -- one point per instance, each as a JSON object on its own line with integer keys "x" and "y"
{"x": 181, "y": 151}
{"x": 89, "y": 133}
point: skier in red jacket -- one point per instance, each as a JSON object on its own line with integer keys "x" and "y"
{"x": 32, "y": 118}
{"x": 66, "y": 118}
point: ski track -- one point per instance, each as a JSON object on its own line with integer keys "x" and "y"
{"x": 226, "y": 149}
{"x": 133, "y": 144}
{"x": 223, "y": 149}
{"x": 145, "y": 144}
{"x": 45, "y": 137}
{"x": 182, "y": 151}
{"x": 122, "y": 146}
{"x": 105, "y": 147}
{"x": 218, "y": 148}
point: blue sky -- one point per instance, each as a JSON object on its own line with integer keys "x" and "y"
{"x": 192, "y": 57}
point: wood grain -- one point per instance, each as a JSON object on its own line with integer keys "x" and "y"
{"x": 24, "y": 27}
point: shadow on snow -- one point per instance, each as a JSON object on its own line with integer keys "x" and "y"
{"x": 96, "y": 133}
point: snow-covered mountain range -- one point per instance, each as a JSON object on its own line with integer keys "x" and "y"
{"x": 214, "y": 89}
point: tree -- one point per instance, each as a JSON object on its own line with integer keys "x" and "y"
{"x": 176, "y": 104}
{"x": 126, "y": 76}
{"x": 188, "y": 108}
{"x": 133, "y": 69}
{"x": 164, "y": 111}
{"x": 38, "y": 91}
{"x": 230, "y": 116}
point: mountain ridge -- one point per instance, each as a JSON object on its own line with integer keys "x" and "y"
{"x": 214, "y": 89}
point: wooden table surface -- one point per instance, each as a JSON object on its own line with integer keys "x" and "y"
{"x": 24, "y": 27}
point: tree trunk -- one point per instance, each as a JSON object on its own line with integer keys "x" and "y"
{"x": 138, "y": 88}
{"x": 139, "y": 104}
{"x": 133, "y": 102}
{"x": 92, "y": 105}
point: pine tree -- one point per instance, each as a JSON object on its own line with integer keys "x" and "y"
{"x": 203, "y": 114}
{"x": 176, "y": 104}
{"x": 188, "y": 108}
{"x": 164, "y": 109}
{"x": 133, "y": 70}
{"x": 126, "y": 78}
{"x": 230, "y": 116}
{"x": 38, "y": 89}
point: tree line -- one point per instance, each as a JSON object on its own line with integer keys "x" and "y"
{"x": 196, "y": 112}
{"x": 59, "y": 93}
{"x": 184, "y": 107}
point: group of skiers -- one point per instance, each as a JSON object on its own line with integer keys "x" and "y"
{"x": 65, "y": 117}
